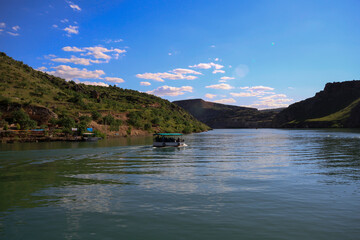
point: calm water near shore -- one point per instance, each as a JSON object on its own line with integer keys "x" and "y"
{"x": 227, "y": 184}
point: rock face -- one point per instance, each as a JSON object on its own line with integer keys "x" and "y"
{"x": 40, "y": 114}
{"x": 218, "y": 115}
{"x": 337, "y": 97}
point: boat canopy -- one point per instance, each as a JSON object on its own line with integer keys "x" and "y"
{"x": 168, "y": 134}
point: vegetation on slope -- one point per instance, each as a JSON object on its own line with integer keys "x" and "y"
{"x": 69, "y": 104}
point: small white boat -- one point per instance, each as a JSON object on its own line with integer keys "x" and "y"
{"x": 168, "y": 140}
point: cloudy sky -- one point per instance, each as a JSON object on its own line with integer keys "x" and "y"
{"x": 263, "y": 54}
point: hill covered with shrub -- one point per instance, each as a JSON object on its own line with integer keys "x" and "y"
{"x": 30, "y": 98}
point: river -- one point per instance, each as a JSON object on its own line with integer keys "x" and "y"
{"x": 226, "y": 184}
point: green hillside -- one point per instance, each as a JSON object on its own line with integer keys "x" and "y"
{"x": 50, "y": 100}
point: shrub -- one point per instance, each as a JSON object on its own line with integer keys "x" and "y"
{"x": 66, "y": 122}
{"x": 95, "y": 115}
{"x": 23, "y": 120}
{"x": 108, "y": 119}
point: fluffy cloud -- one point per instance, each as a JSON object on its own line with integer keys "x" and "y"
{"x": 170, "y": 91}
{"x": 207, "y": 66}
{"x": 218, "y": 71}
{"x": 210, "y": 96}
{"x": 93, "y": 83}
{"x": 145, "y": 83}
{"x": 72, "y": 49}
{"x": 15, "y": 28}
{"x": 256, "y": 91}
{"x": 261, "y": 88}
{"x": 2, "y": 25}
{"x": 99, "y": 52}
{"x": 74, "y": 6}
{"x": 226, "y": 100}
{"x": 114, "y": 79}
{"x": 244, "y": 94}
{"x": 176, "y": 74}
{"x": 96, "y": 52}
{"x": 272, "y": 101}
{"x": 185, "y": 71}
{"x": 13, "y": 34}
{"x": 223, "y": 86}
{"x": 70, "y": 73}
{"x": 71, "y": 30}
{"x": 76, "y": 60}
{"x": 225, "y": 79}
{"x": 41, "y": 69}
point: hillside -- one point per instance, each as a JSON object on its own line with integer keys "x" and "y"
{"x": 227, "y": 116}
{"x": 49, "y": 100}
{"x": 338, "y": 105}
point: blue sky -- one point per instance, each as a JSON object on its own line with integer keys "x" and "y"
{"x": 263, "y": 54}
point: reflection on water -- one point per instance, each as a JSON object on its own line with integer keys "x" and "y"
{"x": 268, "y": 183}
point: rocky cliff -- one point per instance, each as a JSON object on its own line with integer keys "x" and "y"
{"x": 338, "y": 105}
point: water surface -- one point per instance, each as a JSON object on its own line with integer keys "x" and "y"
{"x": 227, "y": 184}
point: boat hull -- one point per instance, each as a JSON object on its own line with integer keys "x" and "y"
{"x": 169, "y": 144}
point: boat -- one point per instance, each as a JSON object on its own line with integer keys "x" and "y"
{"x": 90, "y": 137}
{"x": 168, "y": 140}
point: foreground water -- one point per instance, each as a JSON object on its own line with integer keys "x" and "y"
{"x": 227, "y": 184}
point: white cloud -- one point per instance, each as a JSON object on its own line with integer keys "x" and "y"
{"x": 96, "y": 52}
{"x": 225, "y": 79}
{"x": 41, "y": 69}
{"x": 212, "y": 46}
{"x": 2, "y": 25}
{"x": 113, "y": 40}
{"x": 185, "y": 71}
{"x": 223, "y": 86}
{"x": 72, "y": 49}
{"x": 13, "y": 34}
{"x": 145, "y": 83}
{"x": 207, "y": 66}
{"x": 64, "y": 20}
{"x": 71, "y": 30}
{"x": 76, "y": 60}
{"x": 114, "y": 79}
{"x": 226, "y": 100}
{"x": 55, "y": 26}
{"x": 93, "y": 83}
{"x": 210, "y": 96}
{"x": 1, "y": 30}
{"x": 272, "y": 101}
{"x": 261, "y": 88}
{"x": 176, "y": 74}
{"x": 216, "y": 59}
{"x": 16, "y": 28}
{"x": 99, "y": 52}
{"x": 70, "y": 73}
{"x": 244, "y": 94}
{"x": 171, "y": 91}
{"x": 241, "y": 70}
{"x": 256, "y": 91}
{"x": 218, "y": 71}
{"x": 74, "y": 6}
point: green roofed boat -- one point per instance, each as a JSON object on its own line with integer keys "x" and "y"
{"x": 168, "y": 140}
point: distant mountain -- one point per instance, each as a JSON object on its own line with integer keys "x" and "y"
{"x": 218, "y": 115}
{"x": 338, "y": 105}
{"x": 47, "y": 99}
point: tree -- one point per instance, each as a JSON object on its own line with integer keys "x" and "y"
{"x": 22, "y": 118}
{"x": 95, "y": 115}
